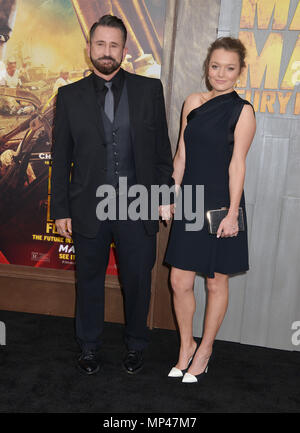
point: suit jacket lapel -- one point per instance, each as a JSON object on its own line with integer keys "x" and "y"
{"x": 90, "y": 106}
{"x": 133, "y": 102}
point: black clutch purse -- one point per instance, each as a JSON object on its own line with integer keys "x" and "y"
{"x": 215, "y": 216}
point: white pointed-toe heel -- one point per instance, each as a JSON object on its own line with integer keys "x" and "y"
{"x": 176, "y": 372}
{"x": 190, "y": 378}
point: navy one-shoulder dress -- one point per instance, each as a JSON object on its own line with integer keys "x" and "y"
{"x": 209, "y": 142}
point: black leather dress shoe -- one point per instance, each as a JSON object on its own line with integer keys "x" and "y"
{"x": 88, "y": 363}
{"x": 133, "y": 362}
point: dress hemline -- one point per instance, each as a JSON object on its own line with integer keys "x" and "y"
{"x": 207, "y": 274}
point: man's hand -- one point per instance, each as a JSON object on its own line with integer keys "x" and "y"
{"x": 64, "y": 227}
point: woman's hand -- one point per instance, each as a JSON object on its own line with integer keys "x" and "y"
{"x": 228, "y": 227}
{"x": 166, "y": 211}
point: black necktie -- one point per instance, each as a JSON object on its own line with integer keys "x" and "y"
{"x": 109, "y": 102}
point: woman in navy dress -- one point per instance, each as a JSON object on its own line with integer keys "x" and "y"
{"x": 216, "y": 133}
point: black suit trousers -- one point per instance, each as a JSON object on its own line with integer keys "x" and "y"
{"x": 136, "y": 251}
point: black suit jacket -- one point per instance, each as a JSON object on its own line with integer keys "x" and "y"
{"x": 79, "y": 139}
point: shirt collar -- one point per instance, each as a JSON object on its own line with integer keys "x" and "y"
{"x": 117, "y": 80}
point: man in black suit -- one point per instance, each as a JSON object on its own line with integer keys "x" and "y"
{"x": 111, "y": 124}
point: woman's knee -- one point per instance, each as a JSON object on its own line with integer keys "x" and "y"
{"x": 182, "y": 281}
{"x": 219, "y": 284}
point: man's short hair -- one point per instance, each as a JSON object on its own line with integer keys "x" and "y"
{"x": 109, "y": 21}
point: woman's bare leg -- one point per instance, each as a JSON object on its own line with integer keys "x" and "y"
{"x": 216, "y": 308}
{"x": 185, "y": 305}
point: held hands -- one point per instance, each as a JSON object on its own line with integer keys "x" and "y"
{"x": 228, "y": 227}
{"x": 64, "y": 227}
{"x": 166, "y": 211}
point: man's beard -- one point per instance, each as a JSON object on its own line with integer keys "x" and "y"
{"x": 108, "y": 68}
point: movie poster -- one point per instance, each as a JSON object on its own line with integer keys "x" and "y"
{"x": 270, "y": 33}
{"x": 42, "y": 47}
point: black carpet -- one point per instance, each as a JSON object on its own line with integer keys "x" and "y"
{"x": 38, "y": 374}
